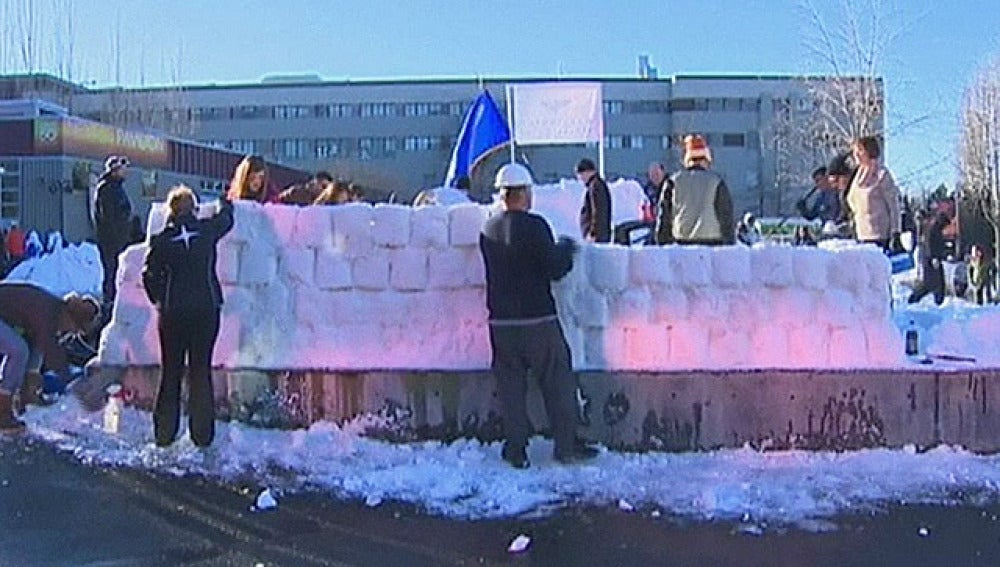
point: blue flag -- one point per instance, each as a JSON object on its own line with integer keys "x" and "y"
{"x": 483, "y": 131}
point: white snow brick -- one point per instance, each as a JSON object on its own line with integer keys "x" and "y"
{"x": 258, "y": 263}
{"x": 372, "y": 270}
{"x": 708, "y": 305}
{"x": 872, "y": 305}
{"x": 465, "y": 222}
{"x": 113, "y": 345}
{"x": 811, "y": 266}
{"x": 297, "y": 266}
{"x": 591, "y": 308}
{"x": 879, "y": 271}
{"x": 729, "y": 346}
{"x": 227, "y": 261}
{"x": 446, "y": 268}
{"x": 408, "y": 268}
{"x": 850, "y": 270}
{"x": 391, "y": 225}
{"x": 157, "y": 220}
{"x": 607, "y": 267}
{"x": 647, "y": 347}
{"x": 466, "y": 306}
{"x": 772, "y": 266}
{"x": 393, "y": 309}
{"x": 836, "y": 308}
{"x": 807, "y": 347}
{"x": 333, "y": 270}
{"x": 227, "y": 345}
{"x": 693, "y": 265}
{"x": 689, "y": 346}
{"x": 575, "y": 339}
{"x": 280, "y": 220}
{"x": 651, "y": 265}
{"x": 792, "y": 307}
{"x": 731, "y": 266}
{"x": 475, "y": 268}
{"x": 748, "y": 309}
{"x": 770, "y": 346}
{"x": 314, "y": 227}
{"x": 885, "y": 343}
{"x": 311, "y": 307}
{"x": 352, "y": 229}
{"x": 130, "y": 264}
{"x": 429, "y": 227}
{"x": 595, "y": 356}
{"x": 848, "y": 348}
{"x": 670, "y": 305}
{"x": 632, "y": 308}
{"x": 247, "y": 216}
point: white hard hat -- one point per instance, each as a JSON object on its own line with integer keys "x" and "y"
{"x": 513, "y": 175}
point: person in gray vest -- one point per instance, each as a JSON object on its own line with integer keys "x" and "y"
{"x": 698, "y": 208}
{"x": 522, "y": 260}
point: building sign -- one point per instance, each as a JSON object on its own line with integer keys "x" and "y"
{"x": 82, "y": 138}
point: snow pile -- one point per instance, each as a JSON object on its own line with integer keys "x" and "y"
{"x": 468, "y": 479}
{"x": 76, "y": 267}
{"x": 340, "y": 287}
{"x": 560, "y": 203}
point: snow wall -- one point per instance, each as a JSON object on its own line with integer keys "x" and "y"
{"x": 393, "y": 287}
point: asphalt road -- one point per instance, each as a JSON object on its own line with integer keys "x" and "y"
{"x": 56, "y": 511}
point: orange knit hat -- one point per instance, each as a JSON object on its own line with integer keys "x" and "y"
{"x": 696, "y": 148}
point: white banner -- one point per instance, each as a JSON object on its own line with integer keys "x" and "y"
{"x": 557, "y": 113}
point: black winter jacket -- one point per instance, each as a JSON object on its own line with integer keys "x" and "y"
{"x": 521, "y": 260}
{"x": 179, "y": 273}
{"x": 595, "y": 215}
{"x": 112, "y": 214}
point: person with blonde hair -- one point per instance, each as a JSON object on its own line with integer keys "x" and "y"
{"x": 180, "y": 280}
{"x": 250, "y": 182}
{"x": 335, "y": 193}
{"x": 695, "y": 208}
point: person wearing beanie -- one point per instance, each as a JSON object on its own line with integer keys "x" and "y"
{"x": 180, "y": 280}
{"x": 522, "y": 260}
{"x": 699, "y": 209}
{"x": 595, "y": 215}
{"x": 113, "y": 221}
{"x": 32, "y": 321}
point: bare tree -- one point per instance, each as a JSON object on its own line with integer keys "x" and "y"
{"x": 979, "y": 148}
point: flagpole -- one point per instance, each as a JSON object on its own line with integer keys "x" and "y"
{"x": 510, "y": 118}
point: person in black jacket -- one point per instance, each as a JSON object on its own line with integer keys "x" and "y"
{"x": 179, "y": 278}
{"x": 932, "y": 254}
{"x": 595, "y": 215}
{"x": 112, "y": 221}
{"x": 522, "y": 259}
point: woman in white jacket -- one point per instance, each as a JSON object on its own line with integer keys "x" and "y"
{"x": 873, "y": 196}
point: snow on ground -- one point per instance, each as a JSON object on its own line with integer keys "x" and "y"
{"x": 467, "y": 479}
{"x": 76, "y": 267}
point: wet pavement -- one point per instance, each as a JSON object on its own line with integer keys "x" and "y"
{"x": 56, "y": 511}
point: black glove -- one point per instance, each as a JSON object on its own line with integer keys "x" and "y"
{"x": 569, "y": 244}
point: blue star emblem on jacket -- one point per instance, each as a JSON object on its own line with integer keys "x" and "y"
{"x": 184, "y": 237}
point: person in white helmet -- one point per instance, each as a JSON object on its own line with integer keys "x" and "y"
{"x": 522, "y": 259}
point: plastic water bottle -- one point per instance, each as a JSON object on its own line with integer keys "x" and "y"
{"x": 113, "y": 409}
{"x": 912, "y": 339}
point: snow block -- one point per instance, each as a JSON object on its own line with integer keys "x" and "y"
{"x": 748, "y": 309}
{"x": 651, "y": 265}
{"x": 333, "y": 270}
{"x": 731, "y": 266}
{"x": 475, "y": 268}
{"x": 879, "y": 271}
{"x": 391, "y": 225}
{"x": 807, "y": 347}
{"x": 130, "y": 264}
{"x": 157, "y": 219}
{"x": 692, "y": 264}
{"x": 631, "y": 308}
{"x": 792, "y": 307}
{"x": 467, "y": 306}
{"x": 372, "y": 270}
{"x": 314, "y": 227}
{"x": 429, "y": 227}
{"x": 227, "y": 261}
{"x": 591, "y": 308}
{"x": 770, "y": 346}
{"x": 607, "y": 267}
{"x": 280, "y": 221}
{"x": 729, "y": 346}
{"x": 772, "y": 266}
{"x": 670, "y": 305}
{"x": 707, "y": 306}
{"x": 446, "y": 267}
{"x": 247, "y": 216}
{"x": 689, "y": 346}
{"x": 352, "y": 229}
{"x": 297, "y": 266}
{"x": 848, "y": 348}
{"x": 811, "y": 267}
{"x": 258, "y": 263}
{"x": 885, "y": 343}
{"x": 836, "y": 308}
{"x": 850, "y": 270}
{"x": 408, "y": 268}
{"x": 465, "y": 222}
{"x": 647, "y": 347}
{"x": 595, "y": 356}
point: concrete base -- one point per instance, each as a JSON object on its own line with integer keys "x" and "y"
{"x": 676, "y": 411}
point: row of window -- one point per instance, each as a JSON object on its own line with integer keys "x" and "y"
{"x": 387, "y": 146}
{"x": 715, "y": 104}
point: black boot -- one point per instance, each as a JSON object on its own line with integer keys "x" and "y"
{"x": 517, "y": 457}
{"x": 9, "y": 423}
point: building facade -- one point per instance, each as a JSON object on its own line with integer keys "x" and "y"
{"x": 397, "y": 135}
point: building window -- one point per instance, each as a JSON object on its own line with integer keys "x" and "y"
{"x": 10, "y": 196}
{"x": 734, "y": 140}
{"x": 376, "y": 147}
{"x": 334, "y": 110}
{"x": 750, "y": 104}
{"x": 422, "y": 143}
{"x": 666, "y": 142}
{"x": 330, "y": 147}
{"x": 425, "y": 109}
{"x": 291, "y": 148}
{"x": 646, "y": 107}
{"x": 613, "y": 106}
{"x": 378, "y": 109}
{"x": 689, "y": 104}
{"x": 634, "y": 142}
{"x": 243, "y": 146}
{"x": 285, "y": 112}
{"x": 251, "y": 112}
{"x": 457, "y": 108}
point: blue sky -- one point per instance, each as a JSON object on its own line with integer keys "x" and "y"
{"x": 938, "y": 48}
